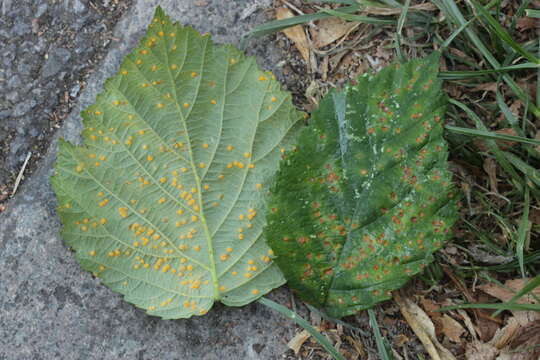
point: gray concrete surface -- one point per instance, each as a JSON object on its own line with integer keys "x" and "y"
{"x": 51, "y": 309}
{"x": 48, "y": 49}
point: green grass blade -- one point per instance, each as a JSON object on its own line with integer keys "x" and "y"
{"x": 528, "y": 288}
{"x": 520, "y": 12}
{"x": 346, "y": 2}
{"x": 452, "y": 12}
{"x": 506, "y": 110}
{"x": 323, "y": 340}
{"x": 533, "y": 13}
{"x": 327, "y": 317}
{"x": 501, "y": 307}
{"x": 500, "y": 156}
{"x": 532, "y": 173}
{"x": 515, "y": 123}
{"x": 460, "y": 75}
{"x": 358, "y": 18}
{"x": 278, "y": 25}
{"x": 387, "y": 3}
{"x": 456, "y": 32}
{"x": 400, "y": 23}
{"x": 379, "y": 339}
{"x": 503, "y": 34}
{"x": 492, "y": 135}
{"x": 538, "y": 77}
{"x": 531, "y": 258}
{"x": 522, "y": 231}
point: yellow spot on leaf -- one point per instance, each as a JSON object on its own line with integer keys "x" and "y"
{"x": 123, "y": 212}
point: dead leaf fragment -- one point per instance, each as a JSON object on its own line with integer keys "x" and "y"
{"x": 423, "y": 327}
{"x": 525, "y": 343}
{"x": 511, "y": 287}
{"x": 490, "y": 86}
{"x": 509, "y": 290}
{"x": 477, "y": 350}
{"x": 376, "y": 10}
{"x": 490, "y": 167}
{"x": 357, "y": 344}
{"x": 298, "y": 340}
{"x": 329, "y": 30}
{"x": 503, "y": 336}
{"x": 526, "y": 23}
{"x": 534, "y": 216}
{"x": 295, "y": 33}
{"x": 452, "y": 329}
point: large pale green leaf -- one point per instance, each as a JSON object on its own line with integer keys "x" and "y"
{"x": 365, "y": 199}
{"x": 164, "y": 201}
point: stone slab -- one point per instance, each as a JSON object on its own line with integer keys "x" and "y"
{"x": 51, "y": 309}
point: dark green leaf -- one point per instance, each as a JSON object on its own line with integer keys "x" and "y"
{"x": 365, "y": 199}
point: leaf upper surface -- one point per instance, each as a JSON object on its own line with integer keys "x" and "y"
{"x": 365, "y": 199}
{"x": 164, "y": 200}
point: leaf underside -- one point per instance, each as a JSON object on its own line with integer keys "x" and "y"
{"x": 365, "y": 199}
{"x": 164, "y": 201}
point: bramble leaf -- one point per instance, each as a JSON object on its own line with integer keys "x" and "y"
{"x": 365, "y": 199}
{"x": 164, "y": 201}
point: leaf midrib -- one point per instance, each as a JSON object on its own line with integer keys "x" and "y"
{"x": 209, "y": 244}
